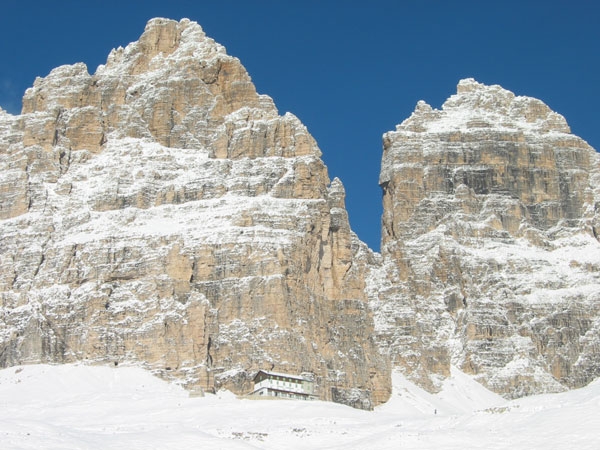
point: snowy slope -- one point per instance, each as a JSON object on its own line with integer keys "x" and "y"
{"x": 82, "y": 407}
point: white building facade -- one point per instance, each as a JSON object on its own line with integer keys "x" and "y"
{"x": 282, "y": 385}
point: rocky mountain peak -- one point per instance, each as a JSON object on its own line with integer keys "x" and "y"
{"x": 183, "y": 43}
{"x": 175, "y": 86}
{"x": 476, "y": 105}
{"x": 162, "y": 212}
{"x": 482, "y": 199}
{"x": 507, "y": 147}
{"x": 165, "y": 36}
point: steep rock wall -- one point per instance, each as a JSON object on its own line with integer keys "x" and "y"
{"x": 161, "y": 212}
{"x": 490, "y": 245}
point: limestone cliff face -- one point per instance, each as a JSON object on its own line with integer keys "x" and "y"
{"x": 161, "y": 211}
{"x": 490, "y": 245}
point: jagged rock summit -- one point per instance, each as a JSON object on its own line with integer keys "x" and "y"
{"x": 490, "y": 244}
{"x": 162, "y": 212}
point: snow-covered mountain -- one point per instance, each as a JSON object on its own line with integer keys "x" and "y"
{"x": 490, "y": 245}
{"x": 161, "y": 212}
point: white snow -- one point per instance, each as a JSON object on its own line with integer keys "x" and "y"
{"x": 84, "y": 407}
{"x": 491, "y": 107}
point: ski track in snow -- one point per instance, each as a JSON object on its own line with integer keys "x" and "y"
{"x": 85, "y": 407}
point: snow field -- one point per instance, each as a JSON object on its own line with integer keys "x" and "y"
{"x": 84, "y": 407}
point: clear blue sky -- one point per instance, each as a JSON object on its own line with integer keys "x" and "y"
{"x": 349, "y": 70}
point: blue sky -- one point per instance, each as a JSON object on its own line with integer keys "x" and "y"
{"x": 349, "y": 70}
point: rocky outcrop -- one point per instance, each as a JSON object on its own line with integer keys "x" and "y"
{"x": 490, "y": 245}
{"x": 160, "y": 211}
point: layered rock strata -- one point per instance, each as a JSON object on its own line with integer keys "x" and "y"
{"x": 161, "y": 211}
{"x": 491, "y": 259}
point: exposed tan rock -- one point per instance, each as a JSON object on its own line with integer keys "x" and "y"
{"x": 490, "y": 249}
{"x": 160, "y": 211}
